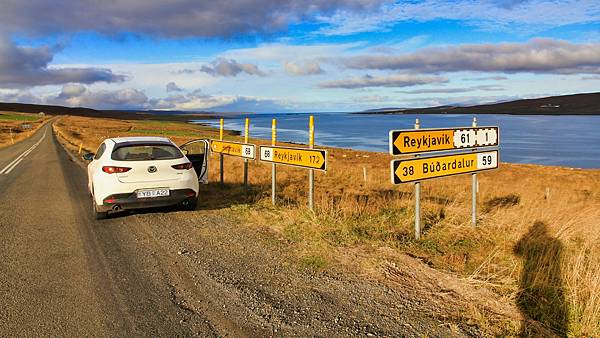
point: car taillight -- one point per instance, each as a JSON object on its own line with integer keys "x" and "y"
{"x": 115, "y": 170}
{"x": 183, "y": 166}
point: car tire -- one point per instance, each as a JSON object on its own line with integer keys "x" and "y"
{"x": 98, "y": 215}
{"x": 192, "y": 204}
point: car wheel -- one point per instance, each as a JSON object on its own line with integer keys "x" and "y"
{"x": 98, "y": 214}
{"x": 192, "y": 203}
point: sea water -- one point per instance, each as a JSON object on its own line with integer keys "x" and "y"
{"x": 566, "y": 140}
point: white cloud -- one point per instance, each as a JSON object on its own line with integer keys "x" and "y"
{"x": 399, "y": 80}
{"x": 535, "y": 56}
{"x": 302, "y": 68}
{"x": 229, "y": 67}
{"x": 534, "y": 15}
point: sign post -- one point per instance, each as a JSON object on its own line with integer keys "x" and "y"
{"x": 474, "y": 189}
{"x": 417, "y": 200}
{"x": 311, "y": 172}
{"x": 221, "y": 155}
{"x": 274, "y": 169}
{"x": 246, "y": 137}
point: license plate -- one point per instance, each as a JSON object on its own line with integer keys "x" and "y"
{"x": 149, "y": 193}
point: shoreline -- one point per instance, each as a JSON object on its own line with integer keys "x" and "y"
{"x": 317, "y": 145}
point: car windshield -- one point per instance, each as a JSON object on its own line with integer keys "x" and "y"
{"x": 146, "y": 152}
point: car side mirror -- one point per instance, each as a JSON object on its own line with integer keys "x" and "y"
{"x": 88, "y": 157}
{"x": 185, "y": 151}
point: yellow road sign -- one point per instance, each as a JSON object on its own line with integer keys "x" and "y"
{"x": 244, "y": 150}
{"x": 428, "y": 140}
{"x": 297, "y": 157}
{"x": 418, "y": 169}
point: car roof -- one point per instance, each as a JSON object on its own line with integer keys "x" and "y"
{"x": 141, "y": 139}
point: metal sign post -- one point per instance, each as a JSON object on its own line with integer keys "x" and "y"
{"x": 274, "y": 170}
{"x": 221, "y": 155}
{"x": 474, "y": 189}
{"x": 417, "y": 200}
{"x": 311, "y": 172}
{"x": 246, "y": 136}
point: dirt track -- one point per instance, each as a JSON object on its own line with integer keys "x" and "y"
{"x": 168, "y": 273}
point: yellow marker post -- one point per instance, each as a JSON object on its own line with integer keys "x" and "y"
{"x": 274, "y": 169}
{"x": 417, "y": 199}
{"x": 12, "y": 141}
{"x": 311, "y": 172}
{"x": 80, "y": 147}
{"x": 221, "y": 123}
{"x": 246, "y": 137}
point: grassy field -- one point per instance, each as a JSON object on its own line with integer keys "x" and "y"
{"x": 11, "y": 126}
{"x": 537, "y": 242}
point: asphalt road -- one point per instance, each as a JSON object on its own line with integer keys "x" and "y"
{"x": 61, "y": 272}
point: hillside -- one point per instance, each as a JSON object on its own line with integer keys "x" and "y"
{"x": 577, "y": 104}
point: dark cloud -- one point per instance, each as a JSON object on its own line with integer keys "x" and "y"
{"x": 182, "y": 18}
{"x": 535, "y": 56}
{"x": 487, "y": 78}
{"x": 229, "y": 68}
{"x": 400, "y": 80}
{"x": 488, "y": 88}
{"x": 303, "y": 68}
{"x": 173, "y": 87}
{"x": 198, "y": 100}
{"x": 28, "y": 66}
{"x": 76, "y": 95}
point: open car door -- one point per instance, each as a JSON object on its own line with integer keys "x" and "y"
{"x": 197, "y": 152}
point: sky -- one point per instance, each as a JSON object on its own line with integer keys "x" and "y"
{"x": 295, "y": 56}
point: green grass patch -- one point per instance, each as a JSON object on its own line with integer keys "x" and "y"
{"x": 18, "y": 117}
{"x": 313, "y": 262}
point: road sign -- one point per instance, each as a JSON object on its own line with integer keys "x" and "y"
{"x": 418, "y": 169}
{"x": 244, "y": 150}
{"x": 297, "y": 157}
{"x": 428, "y": 140}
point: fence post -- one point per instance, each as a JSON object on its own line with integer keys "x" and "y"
{"x": 311, "y": 172}
{"x": 274, "y": 169}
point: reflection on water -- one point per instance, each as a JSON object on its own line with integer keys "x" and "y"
{"x": 572, "y": 141}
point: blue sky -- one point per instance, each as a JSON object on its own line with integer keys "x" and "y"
{"x": 283, "y": 55}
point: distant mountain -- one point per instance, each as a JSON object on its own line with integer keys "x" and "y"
{"x": 114, "y": 114}
{"x": 577, "y": 104}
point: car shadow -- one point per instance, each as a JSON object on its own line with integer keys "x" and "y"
{"x": 541, "y": 297}
{"x": 212, "y": 196}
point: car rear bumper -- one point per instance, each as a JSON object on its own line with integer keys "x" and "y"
{"x": 130, "y": 200}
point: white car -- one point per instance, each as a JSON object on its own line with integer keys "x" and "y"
{"x": 140, "y": 172}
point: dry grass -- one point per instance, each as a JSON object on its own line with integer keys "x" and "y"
{"x": 540, "y": 251}
{"x": 11, "y": 130}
